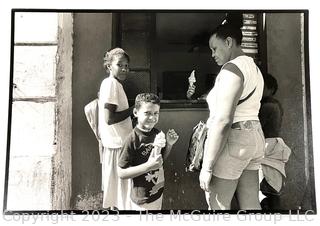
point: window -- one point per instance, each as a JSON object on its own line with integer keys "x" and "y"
{"x": 166, "y": 47}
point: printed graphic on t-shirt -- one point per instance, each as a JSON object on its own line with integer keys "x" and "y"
{"x": 157, "y": 178}
{"x": 147, "y": 148}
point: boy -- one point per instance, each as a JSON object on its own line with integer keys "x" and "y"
{"x": 143, "y": 153}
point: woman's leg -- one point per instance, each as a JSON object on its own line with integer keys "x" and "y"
{"x": 221, "y": 193}
{"x": 248, "y": 190}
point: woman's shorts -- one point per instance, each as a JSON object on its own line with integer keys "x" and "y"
{"x": 243, "y": 151}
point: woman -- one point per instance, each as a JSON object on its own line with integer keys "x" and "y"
{"x": 235, "y": 142}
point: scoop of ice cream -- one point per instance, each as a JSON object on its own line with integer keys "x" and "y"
{"x": 192, "y": 78}
{"x": 159, "y": 142}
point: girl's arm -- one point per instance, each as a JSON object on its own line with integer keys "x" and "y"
{"x": 112, "y": 117}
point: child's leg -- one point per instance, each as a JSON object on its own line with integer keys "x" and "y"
{"x": 155, "y": 205}
{"x": 110, "y": 178}
{"x": 116, "y": 190}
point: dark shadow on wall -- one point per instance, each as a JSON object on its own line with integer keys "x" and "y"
{"x": 92, "y": 37}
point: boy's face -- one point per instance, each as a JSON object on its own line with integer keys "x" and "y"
{"x": 148, "y": 115}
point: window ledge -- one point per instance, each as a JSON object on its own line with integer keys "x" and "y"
{"x": 165, "y": 104}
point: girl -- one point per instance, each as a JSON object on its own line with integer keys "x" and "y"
{"x": 114, "y": 125}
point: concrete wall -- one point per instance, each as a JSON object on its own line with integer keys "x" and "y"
{"x": 182, "y": 190}
{"x": 92, "y": 37}
{"x": 61, "y": 160}
{"x": 284, "y": 62}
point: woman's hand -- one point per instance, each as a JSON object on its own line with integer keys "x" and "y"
{"x": 191, "y": 91}
{"x": 205, "y": 178}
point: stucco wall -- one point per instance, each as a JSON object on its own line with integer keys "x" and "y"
{"x": 182, "y": 190}
{"x": 92, "y": 37}
{"x": 284, "y": 63}
{"x": 61, "y": 160}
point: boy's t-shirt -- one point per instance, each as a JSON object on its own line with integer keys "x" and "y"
{"x": 136, "y": 150}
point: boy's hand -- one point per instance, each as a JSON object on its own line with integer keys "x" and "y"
{"x": 155, "y": 160}
{"x": 171, "y": 137}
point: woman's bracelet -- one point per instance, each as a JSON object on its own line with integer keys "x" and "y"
{"x": 207, "y": 170}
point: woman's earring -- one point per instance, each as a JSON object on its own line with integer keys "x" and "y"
{"x": 229, "y": 42}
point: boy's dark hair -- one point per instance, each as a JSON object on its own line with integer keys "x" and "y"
{"x": 146, "y": 98}
{"x": 230, "y": 27}
{"x": 110, "y": 54}
{"x": 271, "y": 83}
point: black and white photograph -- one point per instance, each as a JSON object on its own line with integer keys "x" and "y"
{"x": 137, "y": 111}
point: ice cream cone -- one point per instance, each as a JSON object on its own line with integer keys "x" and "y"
{"x": 192, "y": 78}
{"x": 157, "y": 148}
